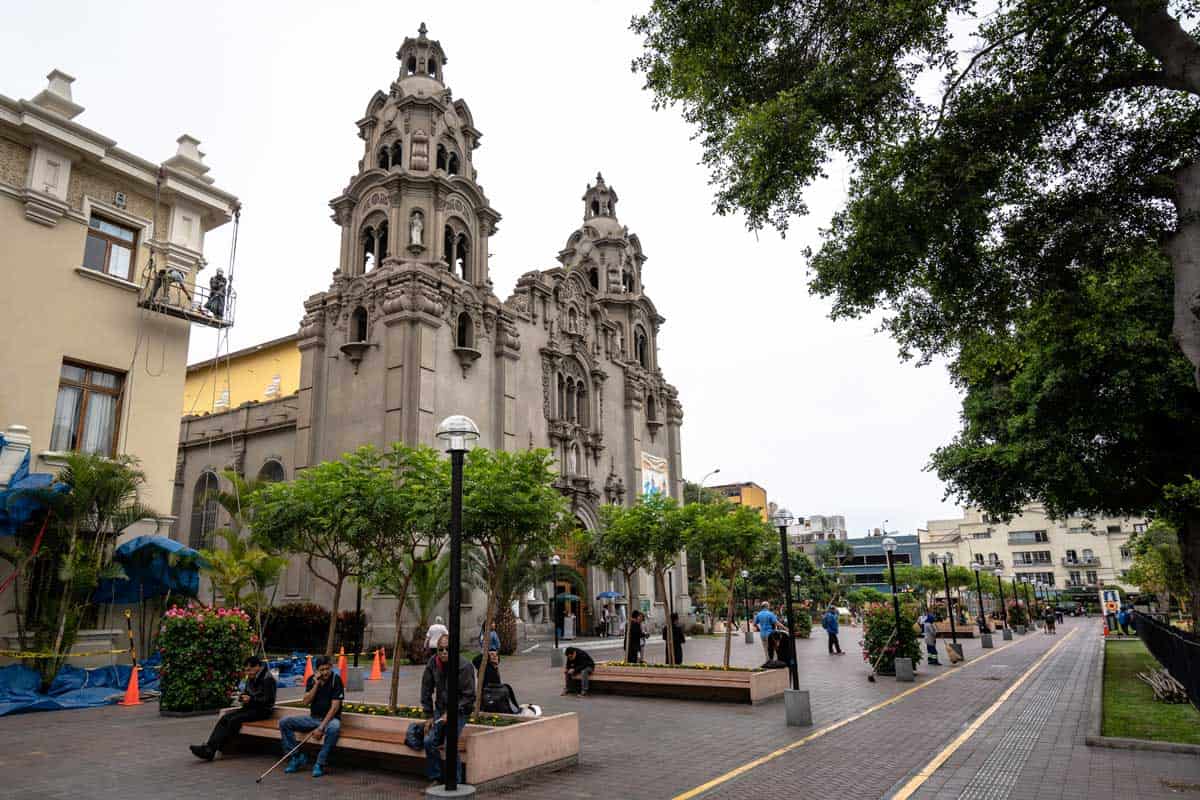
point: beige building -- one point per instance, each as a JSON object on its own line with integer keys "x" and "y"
{"x": 1072, "y": 553}
{"x": 89, "y": 360}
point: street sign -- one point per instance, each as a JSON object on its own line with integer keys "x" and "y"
{"x": 645, "y": 605}
{"x": 1110, "y": 601}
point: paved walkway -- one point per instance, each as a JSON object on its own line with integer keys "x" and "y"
{"x": 646, "y": 748}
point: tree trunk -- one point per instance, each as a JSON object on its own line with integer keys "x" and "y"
{"x": 488, "y": 619}
{"x": 729, "y": 618}
{"x": 1189, "y": 546}
{"x": 660, "y": 586}
{"x": 628, "y": 609}
{"x": 333, "y": 615}
{"x": 1183, "y": 248}
{"x": 397, "y": 644}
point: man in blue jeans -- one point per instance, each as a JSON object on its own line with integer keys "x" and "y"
{"x": 767, "y": 624}
{"x": 433, "y": 703}
{"x": 323, "y": 694}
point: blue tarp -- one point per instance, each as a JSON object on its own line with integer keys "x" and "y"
{"x": 72, "y": 687}
{"x": 147, "y": 563}
{"x": 16, "y": 506}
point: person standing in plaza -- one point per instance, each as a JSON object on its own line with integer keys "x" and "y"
{"x": 257, "y": 699}
{"x": 677, "y": 644}
{"x": 930, "y": 633}
{"x": 633, "y": 638}
{"x": 324, "y": 695}
{"x": 1048, "y": 618}
{"x": 436, "y": 631}
{"x": 830, "y": 623}
{"x": 767, "y": 623}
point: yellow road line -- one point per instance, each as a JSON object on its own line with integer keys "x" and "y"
{"x": 758, "y": 762}
{"x": 919, "y": 779}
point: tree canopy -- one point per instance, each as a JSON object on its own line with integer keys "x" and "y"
{"x": 1032, "y": 220}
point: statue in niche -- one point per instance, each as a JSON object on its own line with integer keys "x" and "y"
{"x": 416, "y": 228}
{"x": 572, "y": 464}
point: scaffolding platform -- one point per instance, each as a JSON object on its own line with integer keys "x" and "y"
{"x": 187, "y": 302}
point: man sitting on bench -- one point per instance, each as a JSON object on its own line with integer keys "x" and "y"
{"x": 257, "y": 699}
{"x": 323, "y": 695}
{"x": 433, "y": 702}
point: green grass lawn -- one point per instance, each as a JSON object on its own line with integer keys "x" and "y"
{"x": 1130, "y": 710}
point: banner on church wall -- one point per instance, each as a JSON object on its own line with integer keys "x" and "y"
{"x": 654, "y": 475}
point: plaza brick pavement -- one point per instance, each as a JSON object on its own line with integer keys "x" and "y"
{"x": 640, "y": 747}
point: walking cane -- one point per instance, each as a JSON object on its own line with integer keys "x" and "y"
{"x": 286, "y": 757}
{"x": 879, "y": 658}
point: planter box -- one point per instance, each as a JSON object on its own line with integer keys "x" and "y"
{"x": 961, "y": 631}
{"x": 681, "y": 683}
{"x": 492, "y": 755}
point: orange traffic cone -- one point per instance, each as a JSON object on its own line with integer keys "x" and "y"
{"x": 133, "y": 697}
{"x": 376, "y": 672}
{"x": 383, "y": 658}
{"x": 308, "y": 670}
{"x": 1106, "y": 629}
{"x": 342, "y": 666}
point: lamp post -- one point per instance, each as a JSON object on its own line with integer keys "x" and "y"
{"x": 782, "y": 519}
{"x": 746, "y": 598}
{"x": 985, "y": 634}
{"x": 1007, "y": 631}
{"x": 556, "y": 654}
{"x": 889, "y": 547}
{"x": 945, "y": 562}
{"x": 457, "y": 432}
{"x": 703, "y": 572}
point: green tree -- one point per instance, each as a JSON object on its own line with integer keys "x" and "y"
{"x": 1158, "y": 563}
{"x": 332, "y": 513}
{"x": 429, "y": 582}
{"x": 664, "y": 526}
{"x": 99, "y": 504}
{"x": 831, "y": 555}
{"x": 412, "y": 527}
{"x": 620, "y": 544}
{"x": 1035, "y": 224}
{"x": 511, "y": 513}
{"x": 728, "y": 537}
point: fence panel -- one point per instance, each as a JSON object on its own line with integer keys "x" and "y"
{"x": 1178, "y": 651}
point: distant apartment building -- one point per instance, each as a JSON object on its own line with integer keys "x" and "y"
{"x": 868, "y": 565}
{"x": 1078, "y": 552}
{"x": 808, "y": 532}
{"x": 746, "y": 494}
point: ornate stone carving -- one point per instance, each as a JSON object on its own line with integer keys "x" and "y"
{"x": 419, "y": 159}
{"x": 313, "y": 324}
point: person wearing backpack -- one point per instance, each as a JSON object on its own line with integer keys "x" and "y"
{"x": 830, "y": 623}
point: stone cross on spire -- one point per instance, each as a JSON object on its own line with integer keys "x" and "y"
{"x": 422, "y": 30}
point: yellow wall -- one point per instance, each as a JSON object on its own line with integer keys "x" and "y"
{"x": 755, "y": 497}
{"x": 247, "y": 377}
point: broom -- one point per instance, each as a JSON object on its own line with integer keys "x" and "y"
{"x": 879, "y": 658}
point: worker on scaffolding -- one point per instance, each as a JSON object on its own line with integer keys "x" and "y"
{"x": 216, "y": 294}
{"x": 164, "y": 278}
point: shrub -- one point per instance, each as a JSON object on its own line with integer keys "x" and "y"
{"x": 1017, "y": 614}
{"x": 697, "y": 629}
{"x": 297, "y": 626}
{"x": 804, "y": 623}
{"x": 879, "y": 644}
{"x": 202, "y": 654}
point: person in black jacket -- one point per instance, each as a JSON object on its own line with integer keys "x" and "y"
{"x": 633, "y": 638}
{"x": 433, "y": 703}
{"x": 677, "y": 639}
{"x": 257, "y": 700}
{"x": 579, "y": 665}
{"x": 491, "y": 670}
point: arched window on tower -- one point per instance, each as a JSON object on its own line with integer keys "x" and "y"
{"x": 368, "y": 250}
{"x": 581, "y": 405}
{"x": 412, "y": 65}
{"x": 570, "y": 399}
{"x": 466, "y": 331}
{"x": 641, "y": 350}
{"x": 595, "y": 208}
{"x": 461, "y": 254}
{"x": 561, "y": 408}
{"x": 594, "y": 278}
{"x": 204, "y": 511}
{"x": 651, "y": 407}
{"x": 358, "y": 325}
{"x": 448, "y": 247}
{"x": 396, "y": 153}
{"x": 627, "y": 281}
{"x": 452, "y": 164}
{"x": 381, "y": 160}
{"x": 381, "y": 242}
{"x": 441, "y": 157}
{"x": 433, "y": 67}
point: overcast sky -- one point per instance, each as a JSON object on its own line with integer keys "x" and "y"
{"x": 821, "y": 414}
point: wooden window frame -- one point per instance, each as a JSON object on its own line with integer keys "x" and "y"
{"x": 87, "y": 388}
{"x": 110, "y": 240}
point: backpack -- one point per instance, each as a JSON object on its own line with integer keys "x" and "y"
{"x": 499, "y": 699}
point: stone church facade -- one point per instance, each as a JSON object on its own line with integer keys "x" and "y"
{"x": 411, "y": 331}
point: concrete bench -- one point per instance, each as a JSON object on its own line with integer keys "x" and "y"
{"x": 681, "y": 683}
{"x": 491, "y": 755}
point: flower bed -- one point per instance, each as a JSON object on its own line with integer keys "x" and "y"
{"x": 202, "y": 653}
{"x": 688, "y": 682}
{"x": 416, "y": 712}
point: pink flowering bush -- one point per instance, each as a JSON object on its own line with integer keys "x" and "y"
{"x": 879, "y": 643}
{"x": 202, "y": 653}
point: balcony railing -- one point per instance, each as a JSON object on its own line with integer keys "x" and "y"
{"x": 1086, "y": 561}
